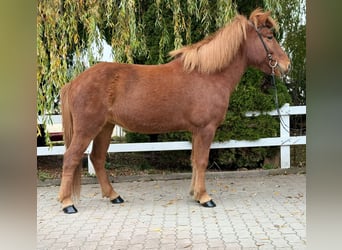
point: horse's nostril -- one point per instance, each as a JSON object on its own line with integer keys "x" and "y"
{"x": 285, "y": 68}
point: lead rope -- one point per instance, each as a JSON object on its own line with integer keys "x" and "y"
{"x": 282, "y": 123}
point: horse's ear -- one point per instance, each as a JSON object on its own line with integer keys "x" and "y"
{"x": 260, "y": 18}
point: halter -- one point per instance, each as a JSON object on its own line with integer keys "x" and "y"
{"x": 271, "y": 62}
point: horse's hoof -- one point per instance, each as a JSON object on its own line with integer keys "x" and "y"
{"x": 210, "y": 203}
{"x": 70, "y": 209}
{"x": 117, "y": 200}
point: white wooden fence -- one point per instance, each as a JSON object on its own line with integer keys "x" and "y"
{"x": 284, "y": 141}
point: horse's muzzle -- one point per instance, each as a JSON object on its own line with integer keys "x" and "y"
{"x": 283, "y": 68}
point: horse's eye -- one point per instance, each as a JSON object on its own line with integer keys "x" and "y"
{"x": 270, "y": 37}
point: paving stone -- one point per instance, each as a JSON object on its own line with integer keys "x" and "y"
{"x": 152, "y": 244}
{"x": 247, "y": 243}
{"x": 280, "y": 242}
{"x": 266, "y": 247}
{"x": 199, "y": 246}
{"x": 233, "y": 246}
{"x": 254, "y": 212}
{"x": 299, "y": 246}
{"x": 216, "y": 243}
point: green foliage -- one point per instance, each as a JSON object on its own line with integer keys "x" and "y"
{"x": 249, "y": 158}
{"x": 241, "y": 158}
{"x": 70, "y": 35}
{"x": 43, "y": 175}
{"x": 254, "y": 93}
{"x": 175, "y": 136}
{"x": 136, "y": 137}
{"x": 268, "y": 166}
{"x": 243, "y": 128}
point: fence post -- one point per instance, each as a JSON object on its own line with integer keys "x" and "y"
{"x": 285, "y": 158}
{"x": 91, "y": 169}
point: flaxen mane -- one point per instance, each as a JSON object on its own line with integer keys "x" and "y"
{"x": 216, "y": 51}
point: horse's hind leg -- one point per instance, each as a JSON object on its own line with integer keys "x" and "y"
{"x": 98, "y": 157}
{"x": 71, "y": 162}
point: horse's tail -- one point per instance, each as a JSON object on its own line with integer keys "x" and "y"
{"x": 67, "y": 123}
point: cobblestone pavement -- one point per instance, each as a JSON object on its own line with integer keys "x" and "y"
{"x": 253, "y": 212}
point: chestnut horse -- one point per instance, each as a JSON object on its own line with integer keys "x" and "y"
{"x": 190, "y": 93}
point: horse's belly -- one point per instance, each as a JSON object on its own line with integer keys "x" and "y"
{"x": 150, "y": 122}
{"x": 150, "y": 128}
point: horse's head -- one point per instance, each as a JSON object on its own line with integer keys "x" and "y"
{"x": 263, "y": 50}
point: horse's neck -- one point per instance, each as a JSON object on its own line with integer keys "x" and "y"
{"x": 234, "y": 71}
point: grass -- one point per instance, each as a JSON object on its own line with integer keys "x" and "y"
{"x": 42, "y": 175}
{"x": 268, "y": 166}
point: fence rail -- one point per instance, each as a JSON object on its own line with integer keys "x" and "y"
{"x": 284, "y": 140}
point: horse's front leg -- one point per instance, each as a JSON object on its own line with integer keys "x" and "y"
{"x": 200, "y": 155}
{"x": 193, "y": 178}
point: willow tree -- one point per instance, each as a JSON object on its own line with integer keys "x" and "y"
{"x": 70, "y": 36}
{"x": 70, "y": 33}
